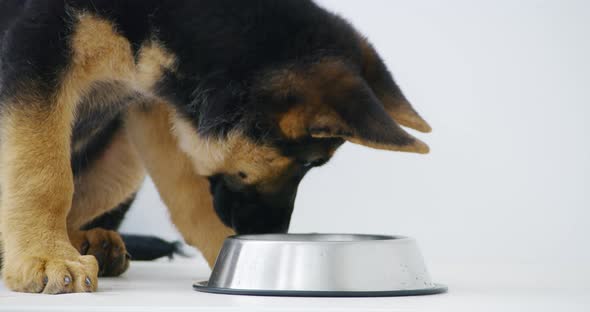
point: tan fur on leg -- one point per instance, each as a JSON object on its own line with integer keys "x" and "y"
{"x": 185, "y": 193}
{"x": 37, "y": 188}
{"x": 36, "y": 174}
{"x": 111, "y": 179}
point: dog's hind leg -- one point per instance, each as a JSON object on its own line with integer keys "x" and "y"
{"x": 112, "y": 219}
{"x": 110, "y": 180}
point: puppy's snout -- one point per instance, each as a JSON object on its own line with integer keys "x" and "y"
{"x": 249, "y": 211}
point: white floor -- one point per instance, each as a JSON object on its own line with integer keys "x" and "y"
{"x": 166, "y": 286}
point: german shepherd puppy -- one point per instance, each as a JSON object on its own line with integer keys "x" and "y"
{"x": 225, "y": 104}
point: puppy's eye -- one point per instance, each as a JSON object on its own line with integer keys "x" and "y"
{"x": 242, "y": 175}
{"x": 315, "y": 163}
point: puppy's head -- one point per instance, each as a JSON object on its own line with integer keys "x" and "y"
{"x": 258, "y": 138}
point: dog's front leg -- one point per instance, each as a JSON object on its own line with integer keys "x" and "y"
{"x": 186, "y": 194}
{"x": 37, "y": 188}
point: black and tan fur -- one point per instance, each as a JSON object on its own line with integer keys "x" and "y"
{"x": 225, "y": 104}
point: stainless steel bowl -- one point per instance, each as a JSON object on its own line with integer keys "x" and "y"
{"x": 320, "y": 265}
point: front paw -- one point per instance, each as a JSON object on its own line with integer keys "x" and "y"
{"x": 62, "y": 271}
{"x": 106, "y": 246}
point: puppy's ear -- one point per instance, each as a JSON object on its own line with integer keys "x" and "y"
{"x": 395, "y": 103}
{"x": 359, "y": 117}
{"x": 336, "y": 101}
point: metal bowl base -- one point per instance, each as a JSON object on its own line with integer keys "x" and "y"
{"x": 203, "y": 287}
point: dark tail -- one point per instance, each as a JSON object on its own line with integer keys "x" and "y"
{"x": 142, "y": 247}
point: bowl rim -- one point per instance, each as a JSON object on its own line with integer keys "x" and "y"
{"x": 203, "y": 286}
{"x": 276, "y": 238}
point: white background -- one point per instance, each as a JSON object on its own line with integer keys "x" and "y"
{"x": 506, "y": 87}
{"x": 500, "y": 207}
